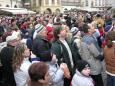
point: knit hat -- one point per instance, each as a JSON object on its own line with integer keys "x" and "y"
{"x": 11, "y": 38}
{"x": 49, "y": 30}
{"x": 74, "y": 30}
{"x": 81, "y": 64}
{"x": 38, "y": 27}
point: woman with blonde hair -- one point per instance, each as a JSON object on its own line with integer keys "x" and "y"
{"x": 20, "y": 64}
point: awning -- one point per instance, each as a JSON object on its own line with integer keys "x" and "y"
{"x": 18, "y": 11}
{"x": 90, "y": 9}
{"x": 31, "y": 12}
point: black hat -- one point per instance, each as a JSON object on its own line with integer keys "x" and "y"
{"x": 81, "y": 64}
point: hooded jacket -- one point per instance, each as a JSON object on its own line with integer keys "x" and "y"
{"x": 81, "y": 80}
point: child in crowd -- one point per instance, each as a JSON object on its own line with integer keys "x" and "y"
{"x": 81, "y": 77}
{"x": 39, "y": 75}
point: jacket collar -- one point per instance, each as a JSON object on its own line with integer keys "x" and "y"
{"x": 42, "y": 38}
{"x": 113, "y": 41}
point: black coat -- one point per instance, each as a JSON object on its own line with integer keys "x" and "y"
{"x": 42, "y": 49}
{"x": 59, "y": 49}
{"x": 6, "y": 60}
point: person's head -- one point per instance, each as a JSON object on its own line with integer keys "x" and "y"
{"x": 50, "y": 21}
{"x": 12, "y": 40}
{"x": 59, "y": 32}
{"x": 45, "y": 22}
{"x": 14, "y": 28}
{"x": 98, "y": 16}
{"x": 75, "y": 31}
{"x": 13, "y": 21}
{"x": 20, "y": 52}
{"x": 38, "y": 73}
{"x": 83, "y": 67}
{"x": 92, "y": 28}
{"x": 41, "y": 30}
{"x": 110, "y": 38}
{"x": 87, "y": 29}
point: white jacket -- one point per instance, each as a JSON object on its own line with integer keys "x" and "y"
{"x": 21, "y": 75}
{"x": 81, "y": 80}
{"x": 56, "y": 75}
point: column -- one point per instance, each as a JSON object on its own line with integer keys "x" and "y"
{"x": 55, "y": 2}
{"x": 60, "y": 2}
{"x": 50, "y": 2}
{"x": 37, "y": 3}
{"x": 89, "y": 3}
{"x": 44, "y": 3}
{"x": 31, "y": 3}
{"x": 103, "y": 3}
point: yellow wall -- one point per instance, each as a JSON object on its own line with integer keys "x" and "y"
{"x": 44, "y": 6}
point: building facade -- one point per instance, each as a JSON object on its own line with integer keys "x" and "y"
{"x": 100, "y": 4}
{"x": 46, "y": 6}
{"x": 10, "y": 3}
{"x": 71, "y": 4}
{"x": 113, "y": 3}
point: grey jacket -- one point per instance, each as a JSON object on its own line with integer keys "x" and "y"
{"x": 81, "y": 80}
{"x": 89, "y": 52}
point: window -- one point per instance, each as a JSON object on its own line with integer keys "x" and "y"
{"x": 92, "y": 4}
{"x": 53, "y": 2}
{"x": 15, "y": 6}
{"x": 46, "y": 2}
{"x": 86, "y": 3}
{"x": 58, "y": 2}
{"x": 95, "y": 2}
{"x": 7, "y": 5}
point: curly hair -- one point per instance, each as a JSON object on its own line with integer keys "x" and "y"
{"x": 18, "y": 55}
{"x": 110, "y": 37}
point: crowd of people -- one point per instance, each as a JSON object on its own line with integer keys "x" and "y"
{"x": 57, "y": 50}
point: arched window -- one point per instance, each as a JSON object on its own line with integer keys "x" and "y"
{"x": 7, "y": 5}
{"x": 48, "y": 10}
{"x": 15, "y": 6}
{"x": 57, "y": 11}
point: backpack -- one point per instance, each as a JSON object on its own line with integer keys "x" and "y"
{"x": 75, "y": 50}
